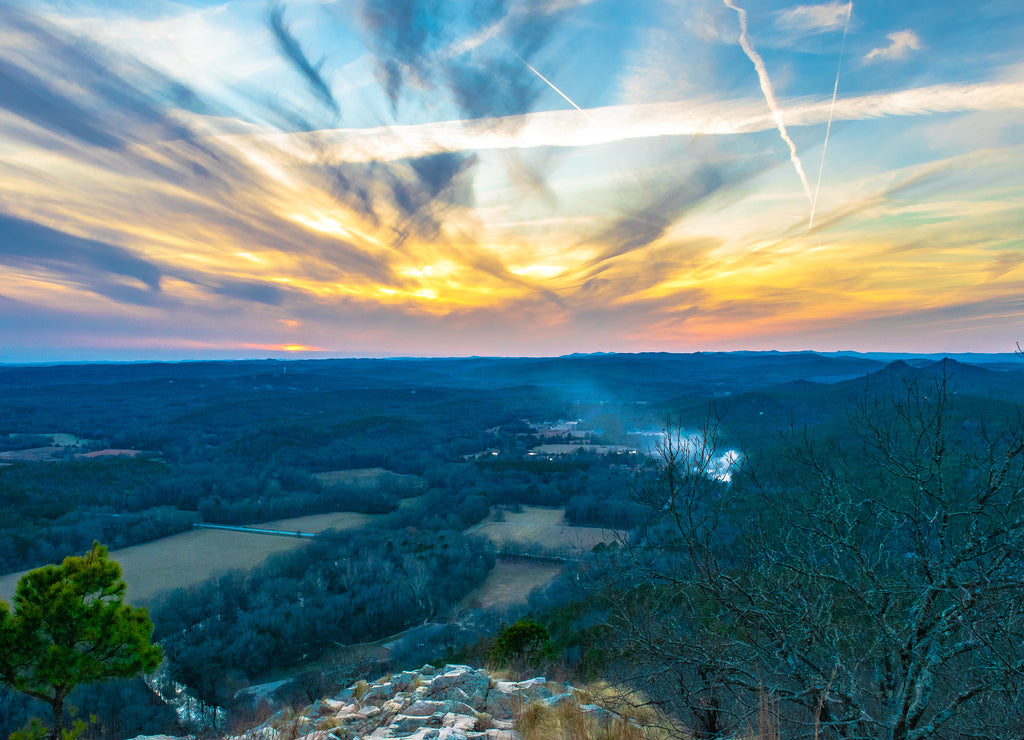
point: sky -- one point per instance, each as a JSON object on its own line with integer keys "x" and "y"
{"x": 313, "y": 178}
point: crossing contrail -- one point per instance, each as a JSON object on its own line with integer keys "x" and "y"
{"x": 769, "y": 96}
{"x": 831, "y": 110}
{"x": 552, "y": 86}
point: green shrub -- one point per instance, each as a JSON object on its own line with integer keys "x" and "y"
{"x": 524, "y": 643}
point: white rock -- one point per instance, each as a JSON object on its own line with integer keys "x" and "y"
{"x": 459, "y": 722}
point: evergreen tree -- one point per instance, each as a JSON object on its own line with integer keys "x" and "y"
{"x": 70, "y": 626}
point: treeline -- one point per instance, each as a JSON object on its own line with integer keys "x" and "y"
{"x": 56, "y": 508}
{"x": 116, "y": 709}
{"x": 76, "y": 531}
{"x": 596, "y": 491}
{"x": 344, "y": 588}
{"x": 230, "y": 450}
{"x": 10, "y": 442}
{"x": 53, "y": 509}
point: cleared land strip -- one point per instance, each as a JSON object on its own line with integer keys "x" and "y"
{"x": 254, "y": 530}
{"x": 533, "y": 545}
{"x": 182, "y": 560}
{"x": 540, "y": 526}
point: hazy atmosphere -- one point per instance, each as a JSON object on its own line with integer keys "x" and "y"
{"x": 427, "y": 177}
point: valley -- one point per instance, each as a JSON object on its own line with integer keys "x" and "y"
{"x": 439, "y": 501}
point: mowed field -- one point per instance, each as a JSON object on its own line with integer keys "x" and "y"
{"x": 191, "y": 557}
{"x": 510, "y": 582}
{"x": 535, "y": 525}
{"x": 558, "y": 448}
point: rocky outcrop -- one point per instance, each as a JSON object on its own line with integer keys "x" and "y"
{"x": 453, "y": 703}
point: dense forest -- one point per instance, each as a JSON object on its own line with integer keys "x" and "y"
{"x": 240, "y": 442}
{"x": 810, "y": 435}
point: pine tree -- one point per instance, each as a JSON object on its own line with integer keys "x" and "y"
{"x": 70, "y": 626}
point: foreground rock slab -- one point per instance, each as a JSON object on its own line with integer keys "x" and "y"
{"x": 456, "y": 702}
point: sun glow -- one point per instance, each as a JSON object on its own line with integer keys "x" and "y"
{"x": 539, "y": 272}
{"x": 322, "y": 223}
{"x": 284, "y": 347}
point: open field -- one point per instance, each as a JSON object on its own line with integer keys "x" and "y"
{"x": 56, "y": 450}
{"x": 191, "y": 557}
{"x": 370, "y": 478}
{"x": 510, "y": 582}
{"x": 36, "y": 454}
{"x": 316, "y": 523}
{"x": 535, "y": 525}
{"x": 572, "y": 449}
{"x": 53, "y": 454}
{"x": 109, "y": 453}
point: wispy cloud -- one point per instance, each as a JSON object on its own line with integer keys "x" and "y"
{"x": 293, "y": 52}
{"x": 250, "y": 290}
{"x": 498, "y": 219}
{"x": 93, "y": 262}
{"x": 484, "y": 75}
{"x": 901, "y": 43}
{"x": 813, "y": 18}
{"x": 612, "y": 124}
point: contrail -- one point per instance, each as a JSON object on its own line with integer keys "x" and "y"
{"x": 769, "y": 96}
{"x": 552, "y": 86}
{"x": 831, "y": 110}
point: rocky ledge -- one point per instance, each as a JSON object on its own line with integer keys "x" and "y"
{"x": 453, "y": 703}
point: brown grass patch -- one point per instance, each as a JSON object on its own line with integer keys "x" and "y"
{"x": 535, "y": 525}
{"x": 316, "y": 523}
{"x": 510, "y": 582}
{"x": 191, "y": 557}
{"x": 569, "y": 721}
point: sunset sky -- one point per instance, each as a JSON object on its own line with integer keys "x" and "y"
{"x": 240, "y": 178}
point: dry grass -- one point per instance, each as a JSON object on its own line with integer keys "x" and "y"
{"x": 569, "y": 721}
{"x": 510, "y": 582}
{"x": 557, "y": 448}
{"x": 536, "y": 516}
{"x": 768, "y": 718}
{"x": 360, "y": 689}
{"x": 545, "y": 527}
{"x": 631, "y": 705}
{"x": 35, "y": 454}
{"x": 316, "y": 523}
{"x": 191, "y": 557}
{"x": 109, "y": 453}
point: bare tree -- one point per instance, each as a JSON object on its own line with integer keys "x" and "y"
{"x": 871, "y": 584}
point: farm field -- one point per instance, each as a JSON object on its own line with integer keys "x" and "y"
{"x": 191, "y": 557}
{"x": 560, "y": 448}
{"x": 317, "y": 523}
{"x": 510, "y": 582}
{"x": 61, "y": 451}
{"x": 370, "y": 478}
{"x": 535, "y": 525}
{"x": 36, "y": 454}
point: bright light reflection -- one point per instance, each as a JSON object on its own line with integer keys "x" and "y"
{"x": 324, "y": 224}
{"x": 540, "y": 272}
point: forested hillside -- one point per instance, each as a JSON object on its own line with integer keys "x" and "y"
{"x": 756, "y": 499}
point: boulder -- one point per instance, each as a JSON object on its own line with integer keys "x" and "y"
{"x": 428, "y": 704}
{"x": 473, "y": 684}
{"x": 506, "y": 698}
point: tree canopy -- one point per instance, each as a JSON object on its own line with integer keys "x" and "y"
{"x": 71, "y": 626}
{"x": 863, "y": 585}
